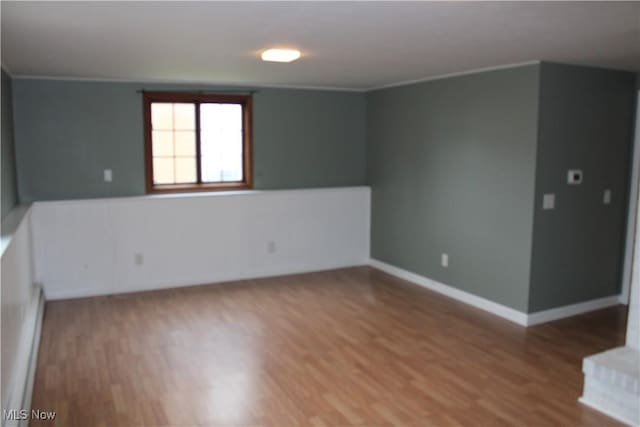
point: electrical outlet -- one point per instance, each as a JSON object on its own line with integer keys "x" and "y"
{"x": 606, "y": 197}
{"x": 548, "y": 201}
{"x": 444, "y": 260}
{"x": 271, "y": 246}
{"x": 108, "y": 175}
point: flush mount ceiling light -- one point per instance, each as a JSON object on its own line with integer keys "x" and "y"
{"x": 280, "y": 55}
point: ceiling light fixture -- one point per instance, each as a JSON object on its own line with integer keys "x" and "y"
{"x": 280, "y": 55}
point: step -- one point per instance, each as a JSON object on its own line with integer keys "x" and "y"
{"x": 612, "y": 383}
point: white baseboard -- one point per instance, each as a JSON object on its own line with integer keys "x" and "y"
{"x": 622, "y": 299}
{"x": 482, "y": 303}
{"x": 508, "y": 313}
{"x": 24, "y": 375}
{"x": 571, "y": 310}
{"x": 33, "y": 357}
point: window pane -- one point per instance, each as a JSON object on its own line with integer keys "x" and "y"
{"x": 221, "y": 142}
{"x": 221, "y": 117}
{"x": 163, "y": 170}
{"x": 221, "y": 156}
{"x": 162, "y": 143}
{"x": 232, "y": 169}
{"x": 185, "y": 170}
{"x": 211, "y": 169}
{"x": 184, "y": 116}
{"x": 185, "y": 143}
{"x": 161, "y": 115}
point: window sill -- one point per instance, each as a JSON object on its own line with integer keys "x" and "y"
{"x": 200, "y": 194}
{"x": 190, "y": 188}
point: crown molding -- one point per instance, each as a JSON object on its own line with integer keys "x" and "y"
{"x": 456, "y": 74}
{"x": 273, "y": 86}
{"x": 187, "y": 82}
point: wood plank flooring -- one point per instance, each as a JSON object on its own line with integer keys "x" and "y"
{"x": 350, "y": 347}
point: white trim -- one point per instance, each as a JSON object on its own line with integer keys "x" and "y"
{"x": 622, "y": 299}
{"x": 503, "y": 311}
{"x": 24, "y": 374}
{"x": 632, "y": 211}
{"x": 571, "y": 310}
{"x": 455, "y": 74}
{"x": 33, "y": 357}
{"x": 212, "y": 84}
{"x": 249, "y": 85}
{"x": 197, "y": 194}
{"x": 599, "y": 408}
{"x": 508, "y": 313}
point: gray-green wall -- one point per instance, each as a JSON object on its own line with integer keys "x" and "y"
{"x": 9, "y": 189}
{"x": 68, "y": 132}
{"x": 460, "y": 165}
{"x": 452, "y": 169}
{"x": 585, "y": 122}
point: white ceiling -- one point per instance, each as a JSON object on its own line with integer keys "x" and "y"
{"x": 345, "y": 45}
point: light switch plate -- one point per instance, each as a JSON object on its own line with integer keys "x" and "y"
{"x": 108, "y": 175}
{"x": 444, "y": 260}
{"x": 606, "y": 197}
{"x": 548, "y": 201}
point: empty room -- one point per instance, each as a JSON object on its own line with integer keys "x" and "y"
{"x": 320, "y": 214}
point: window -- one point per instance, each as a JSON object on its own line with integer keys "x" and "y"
{"x": 197, "y": 142}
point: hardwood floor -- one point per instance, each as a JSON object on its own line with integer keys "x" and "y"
{"x": 351, "y": 347}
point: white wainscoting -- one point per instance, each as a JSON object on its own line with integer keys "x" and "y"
{"x": 22, "y": 308}
{"x": 108, "y": 246}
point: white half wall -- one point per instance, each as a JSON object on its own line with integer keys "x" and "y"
{"x": 108, "y": 246}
